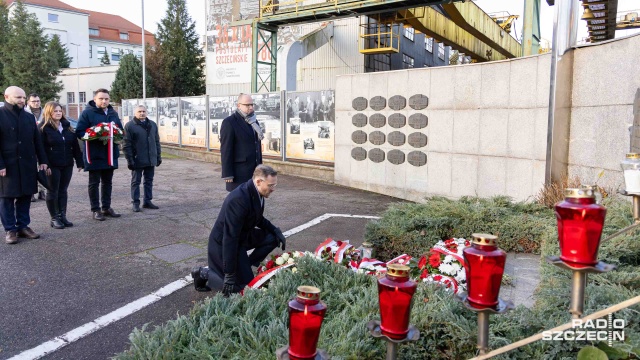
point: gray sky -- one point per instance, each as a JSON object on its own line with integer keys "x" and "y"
{"x": 156, "y": 9}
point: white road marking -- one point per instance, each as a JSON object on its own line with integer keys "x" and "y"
{"x": 78, "y": 333}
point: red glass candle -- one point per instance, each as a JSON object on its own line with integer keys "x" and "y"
{"x": 484, "y": 266}
{"x": 306, "y": 313}
{"x": 580, "y": 222}
{"x": 395, "y": 294}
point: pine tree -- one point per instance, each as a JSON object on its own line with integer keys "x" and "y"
{"x": 157, "y": 70}
{"x": 104, "y": 60}
{"x": 4, "y": 29}
{"x": 26, "y": 63}
{"x": 178, "y": 40}
{"x": 128, "y": 81}
{"x": 58, "y": 52}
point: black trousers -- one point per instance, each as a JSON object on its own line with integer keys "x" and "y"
{"x": 102, "y": 178}
{"x": 262, "y": 243}
{"x": 136, "y": 178}
{"x": 14, "y": 212}
{"x": 59, "y": 183}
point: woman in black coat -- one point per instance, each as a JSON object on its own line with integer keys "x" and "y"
{"x": 61, "y": 146}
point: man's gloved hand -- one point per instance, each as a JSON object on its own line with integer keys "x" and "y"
{"x": 281, "y": 240}
{"x": 159, "y": 162}
{"x": 229, "y": 284}
{"x": 130, "y": 166}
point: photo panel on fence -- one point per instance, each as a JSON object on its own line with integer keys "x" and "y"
{"x": 219, "y": 108}
{"x": 267, "y": 109}
{"x": 310, "y": 125}
{"x": 152, "y": 108}
{"x": 128, "y": 110}
{"x": 168, "y": 126}
{"x": 193, "y": 120}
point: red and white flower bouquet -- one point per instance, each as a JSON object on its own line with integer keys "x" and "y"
{"x": 445, "y": 264}
{"x": 105, "y": 132}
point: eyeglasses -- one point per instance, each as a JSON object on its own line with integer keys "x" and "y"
{"x": 271, "y": 186}
{"x": 247, "y": 104}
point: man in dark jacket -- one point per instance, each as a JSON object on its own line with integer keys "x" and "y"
{"x": 240, "y": 144}
{"x": 234, "y": 233}
{"x": 20, "y": 146}
{"x": 142, "y": 150}
{"x": 101, "y": 159}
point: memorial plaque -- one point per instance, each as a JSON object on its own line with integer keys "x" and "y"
{"x": 377, "y": 138}
{"x": 395, "y": 157}
{"x": 418, "y": 102}
{"x": 376, "y": 155}
{"x": 378, "y": 103}
{"x": 396, "y": 138}
{"x": 418, "y": 121}
{"x": 359, "y": 103}
{"x": 359, "y": 153}
{"x": 377, "y": 120}
{"x": 359, "y": 137}
{"x": 397, "y": 102}
{"x": 417, "y": 140}
{"x": 417, "y": 158}
{"x": 397, "y": 120}
{"x": 359, "y": 120}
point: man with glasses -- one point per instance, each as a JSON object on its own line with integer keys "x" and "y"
{"x": 240, "y": 227}
{"x": 34, "y": 107}
{"x": 240, "y": 143}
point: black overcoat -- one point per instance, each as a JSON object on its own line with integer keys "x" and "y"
{"x": 240, "y": 150}
{"x": 20, "y": 152}
{"x": 240, "y": 213}
{"x": 62, "y": 148}
{"x": 141, "y": 145}
{"x": 92, "y": 116}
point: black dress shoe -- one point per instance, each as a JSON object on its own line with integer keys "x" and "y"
{"x": 97, "y": 215}
{"x": 198, "y": 282}
{"x": 110, "y": 212}
{"x": 149, "y": 205}
{"x": 136, "y": 207}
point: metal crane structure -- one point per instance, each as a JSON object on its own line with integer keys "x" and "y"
{"x": 457, "y": 23}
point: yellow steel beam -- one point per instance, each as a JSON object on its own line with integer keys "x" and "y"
{"x": 474, "y": 20}
{"x": 439, "y": 27}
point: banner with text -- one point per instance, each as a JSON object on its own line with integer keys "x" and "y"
{"x": 168, "y": 126}
{"x": 310, "y": 125}
{"x": 193, "y": 120}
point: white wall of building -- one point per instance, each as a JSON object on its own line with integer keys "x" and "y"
{"x": 112, "y": 48}
{"x": 72, "y": 27}
{"x": 89, "y": 78}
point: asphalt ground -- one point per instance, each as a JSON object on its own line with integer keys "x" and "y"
{"x": 73, "y": 276}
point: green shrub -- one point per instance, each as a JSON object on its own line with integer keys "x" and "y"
{"x": 253, "y": 326}
{"x": 415, "y": 228}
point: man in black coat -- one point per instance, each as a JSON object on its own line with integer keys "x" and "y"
{"x": 235, "y": 232}
{"x": 240, "y": 144}
{"x": 142, "y": 150}
{"x": 20, "y": 146}
{"x": 99, "y": 161}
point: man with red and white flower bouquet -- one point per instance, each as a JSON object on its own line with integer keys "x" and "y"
{"x": 240, "y": 227}
{"x": 100, "y": 153}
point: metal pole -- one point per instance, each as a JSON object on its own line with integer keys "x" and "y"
{"x": 392, "y": 350}
{"x": 636, "y": 208}
{"x": 483, "y": 332}
{"x": 577, "y": 294}
{"x": 77, "y": 74}
{"x": 144, "y": 70}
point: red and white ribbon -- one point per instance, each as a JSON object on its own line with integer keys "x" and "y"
{"x": 86, "y": 147}
{"x": 110, "y": 143}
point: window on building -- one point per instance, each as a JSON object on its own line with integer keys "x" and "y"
{"x": 409, "y": 33}
{"x": 441, "y": 51}
{"x": 71, "y": 98}
{"x": 428, "y": 44}
{"x": 124, "y": 36}
{"x": 53, "y": 17}
{"x": 407, "y": 61}
{"x": 94, "y": 32}
{"x": 377, "y": 62}
{"x": 90, "y": 51}
{"x": 139, "y": 54}
{"x": 83, "y": 97}
{"x": 129, "y": 51}
{"x": 115, "y": 54}
{"x": 101, "y": 50}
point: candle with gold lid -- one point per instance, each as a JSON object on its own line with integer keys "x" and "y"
{"x": 395, "y": 294}
{"x": 631, "y": 168}
{"x": 306, "y": 313}
{"x": 484, "y": 269}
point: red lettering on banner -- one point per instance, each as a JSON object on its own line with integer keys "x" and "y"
{"x": 172, "y": 138}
